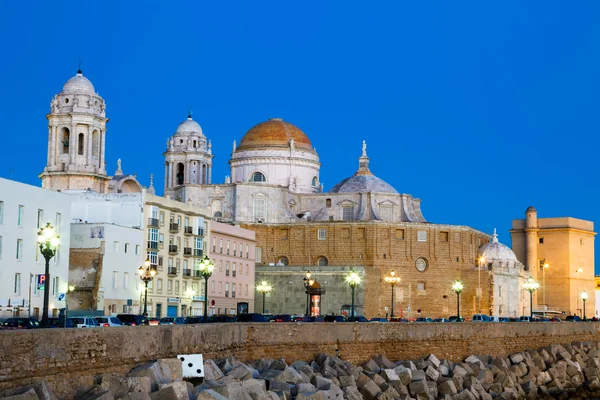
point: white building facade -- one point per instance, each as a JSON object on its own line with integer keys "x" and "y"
{"x": 24, "y": 209}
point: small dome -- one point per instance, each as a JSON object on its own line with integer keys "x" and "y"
{"x": 363, "y": 184}
{"x": 496, "y": 251}
{"x": 530, "y": 208}
{"x": 275, "y": 133}
{"x": 79, "y": 84}
{"x": 189, "y": 126}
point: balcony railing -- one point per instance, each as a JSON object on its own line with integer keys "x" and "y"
{"x": 232, "y": 294}
{"x": 200, "y": 232}
{"x": 187, "y": 273}
{"x": 172, "y": 249}
{"x": 172, "y": 271}
{"x": 198, "y": 253}
{"x": 188, "y": 230}
{"x": 187, "y": 251}
{"x": 173, "y": 227}
{"x": 227, "y": 272}
{"x": 226, "y": 293}
{"x": 153, "y": 222}
{"x": 233, "y": 273}
{"x": 153, "y": 245}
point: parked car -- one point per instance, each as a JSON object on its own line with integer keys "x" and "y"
{"x": 221, "y": 318}
{"x": 55, "y": 323}
{"x": 424, "y": 319}
{"x": 526, "y": 318}
{"x": 480, "y": 318}
{"x": 398, "y": 319}
{"x": 252, "y": 317}
{"x": 555, "y": 319}
{"x": 573, "y": 318}
{"x": 361, "y": 318}
{"x": 281, "y": 318}
{"x": 441, "y": 320}
{"x": 297, "y": 318}
{"x": 378, "y": 319}
{"x": 542, "y": 319}
{"x": 153, "y": 321}
{"x": 133, "y": 319}
{"x": 172, "y": 321}
{"x": 109, "y": 321}
{"x": 10, "y": 324}
{"x": 316, "y": 318}
{"x": 334, "y": 318}
{"x": 84, "y": 322}
{"x": 454, "y": 318}
{"x": 494, "y": 318}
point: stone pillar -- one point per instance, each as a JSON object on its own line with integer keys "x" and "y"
{"x": 55, "y": 145}
{"x": 166, "y": 182}
{"x": 73, "y": 144}
{"x": 50, "y": 148}
{"x": 170, "y": 174}
{"x": 89, "y": 146}
{"x": 101, "y": 162}
{"x": 209, "y": 175}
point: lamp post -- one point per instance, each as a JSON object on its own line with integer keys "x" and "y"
{"x": 392, "y": 279}
{"x": 147, "y": 274}
{"x": 584, "y": 297}
{"x": 531, "y": 286}
{"x": 481, "y": 260}
{"x": 308, "y": 282}
{"x": 70, "y": 289}
{"x": 264, "y": 288}
{"x": 544, "y": 268}
{"x": 458, "y": 287}
{"x": 48, "y": 241}
{"x": 206, "y": 269}
{"x": 353, "y": 280}
{"x": 577, "y": 271}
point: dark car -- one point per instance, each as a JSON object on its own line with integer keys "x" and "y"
{"x": 281, "y": 318}
{"x": 361, "y": 318}
{"x": 252, "y": 317}
{"x": 378, "y": 319}
{"x": 172, "y": 321}
{"x": 19, "y": 323}
{"x": 334, "y": 318}
{"x": 398, "y": 319}
{"x": 555, "y": 319}
{"x": 133, "y": 319}
{"x": 424, "y": 319}
{"x": 573, "y": 318}
{"x": 195, "y": 320}
{"x": 454, "y": 318}
{"x": 221, "y": 318}
{"x": 55, "y": 323}
{"x": 316, "y": 318}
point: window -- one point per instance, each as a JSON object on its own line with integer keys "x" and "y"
{"x": 283, "y": 261}
{"x": 348, "y": 213}
{"x": 17, "y": 286}
{"x": 260, "y": 209}
{"x": 214, "y": 250}
{"x": 328, "y": 203}
{"x": 20, "y": 215}
{"x": 457, "y": 238}
{"x": 314, "y": 181}
{"x": 220, "y": 286}
{"x": 500, "y": 291}
{"x": 115, "y": 280}
{"x": 159, "y": 285}
{"x": 137, "y": 249}
{"x": 226, "y": 289}
{"x": 153, "y": 238}
{"x": 258, "y": 177}
{"x": 220, "y": 265}
{"x": 80, "y": 144}
{"x": 386, "y": 213}
{"x": 153, "y": 256}
{"x": 218, "y": 214}
{"x": 226, "y": 268}
{"x": 221, "y": 246}
{"x": 258, "y": 255}
{"x": 116, "y": 247}
{"x": 95, "y": 143}
{"x": 19, "y": 249}
{"x": 400, "y": 234}
{"x": 421, "y": 264}
{"x": 234, "y": 249}
{"x": 233, "y": 290}
{"x": 161, "y": 239}
{"x": 125, "y": 280}
{"x": 1, "y": 212}
{"x": 169, "y": 286}
{"x": 233, "y": 269}
{"x": 247, "y": 269}
{"x": 228, "y": 247}
{"x": 247, "y": 251}
{"x": 322, "y": 233}
{"x": 581, "y": 242}
{"x": 127, "y": 245}
{"x": 443, "y": 236}
{"x": 541, "y": 240}
{"x": 241, "y": 268}
{"x": 176, "y": 287}
{"x": 421, "y": 236}
{"x": 212, "y": 286}
{"x": 322, "y": 261}
{"x": 246, "y": 289}
{"x": 40, "y": 219}
{"x": 421, "y": 286}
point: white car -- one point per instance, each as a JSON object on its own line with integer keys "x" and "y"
{"x": 84, "y": 322}
{"x": 109, "y": 321}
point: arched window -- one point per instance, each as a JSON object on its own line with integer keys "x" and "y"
{"x": 80, "y": 144}
{"x": 95, "y": 144}
{"x": 258, "y": 177}
{"x": 322, "y": 262}
{"x": 283, "y": 261}
{"x": 218, "y": 214}
{"x": 65, "y": 140}
{"x": 314, "y": 181}
{"x": 180, "y": 171}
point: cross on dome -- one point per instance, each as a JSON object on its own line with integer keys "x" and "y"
{"x": 495, "y": 237}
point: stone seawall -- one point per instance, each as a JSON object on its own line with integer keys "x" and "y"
{"x": 77, "y": 355}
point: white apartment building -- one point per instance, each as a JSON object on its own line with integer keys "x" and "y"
{"x": 24, "y": 209}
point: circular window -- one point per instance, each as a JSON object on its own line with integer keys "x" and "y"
{"x": 421, "y": 264}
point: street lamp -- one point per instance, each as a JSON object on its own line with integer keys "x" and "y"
{"x": 544, "y": 268}
{"x": 308, "y": 282}
{"x": 392, "y": 279}
{"x": 353, "y": 280}
{"x": 584, "y": 297}
{"x": 481, "y": 261}
{"x": 577, "y": 271}
{"x": 147, "y": 274}
{"x": 48, "y": 241}
{"x": 206, "y": 269}
{"x": 458, "y": 287}
{"x": 264, "y": 288}
{"x": 531, "y": 286}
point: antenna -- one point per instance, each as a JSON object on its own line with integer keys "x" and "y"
{"x": 190, "y": 112}
{"x": 79, "y": 65}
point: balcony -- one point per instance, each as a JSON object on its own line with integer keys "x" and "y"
{"x": 233, "y": 273}
{"x": 187, "y": 273}
{"x": 198, "y": 253}
{"x": 172, "y": 249}
{"x": 226, "y": 293}
{"x": 172, "y": 271}
{"x": 173, "y": 228}
{"x": 200, "y": 232}
{"x": 152, "y": 222}
{"x": 152, "y": 245}
{"x": 187, "y": 251}
{"x": 188, "y": 230}
{"x": 197, "y": 274}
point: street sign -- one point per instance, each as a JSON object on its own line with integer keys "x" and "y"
{"x": 61, "y": 296}
{"x": 41, "y": 280}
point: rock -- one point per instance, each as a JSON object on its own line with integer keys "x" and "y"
{"x": 418, "y": 387}
{"x": 389, "y": 375}
{"x": 212, "y": 371}
{"x": 346, "y": 381}
{"x": 352, "y": 393}
{"x": 96, "y": 395}
{"x": 159, "y": 372}
{"x": 279, "y": 364}
{"x": 43, "y": 391}
{"x": 28, "y": 395}
{"x": 136, "y": 396}
{"x": 308, "y": 371}
{"x": 447, "y": 388}
{"x": 210, "y": 394}
{"x": 362, "y": 380}
{"x": 298, "y": 364}
{"x": 372, "y": 366}
{"x": 370, "y": 391}
{"x": 172, "y": 368}
{"x": 432, "y": 373}
{"x": 516, "y": 358}
{"x": 281, "y": 388}
{"x": 171, "y": 391}
{"x": 404, "y": 374}
{"x": 243, "y": 372}
{"x": 290, "y": 375}
{"x": 389, "y": 394}
{"x": 334, "y": 392}
{"x": 322, "y": 383}
{"x": 255, "y": 388}
{"x": 459, "y": 371}
{"x": 305, "y": 387}
{"x": 383, "y": 362}
{"x": 433, "y": 360}
{"x": 328, "y": 371}
{"x": 418, "y": 375}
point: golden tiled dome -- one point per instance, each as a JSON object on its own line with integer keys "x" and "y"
{"x": 274, "y": 133}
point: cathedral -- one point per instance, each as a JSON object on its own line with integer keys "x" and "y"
{"x": 362, "y": 224}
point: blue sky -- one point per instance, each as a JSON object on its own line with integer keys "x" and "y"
{"x": 479, "y": 109}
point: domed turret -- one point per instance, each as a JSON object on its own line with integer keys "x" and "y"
{"x": 189, "y": 126}
{"x": 275, "y": 133}
{"x": 79, "y": 84}
{"x": 496, "y": 251}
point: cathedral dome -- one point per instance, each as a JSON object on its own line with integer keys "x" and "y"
{"x": 79, "y": 84}
{"x": 496, "y": 251}
{"x": 189, "y": 126}
{"x": 274, "y": 133}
